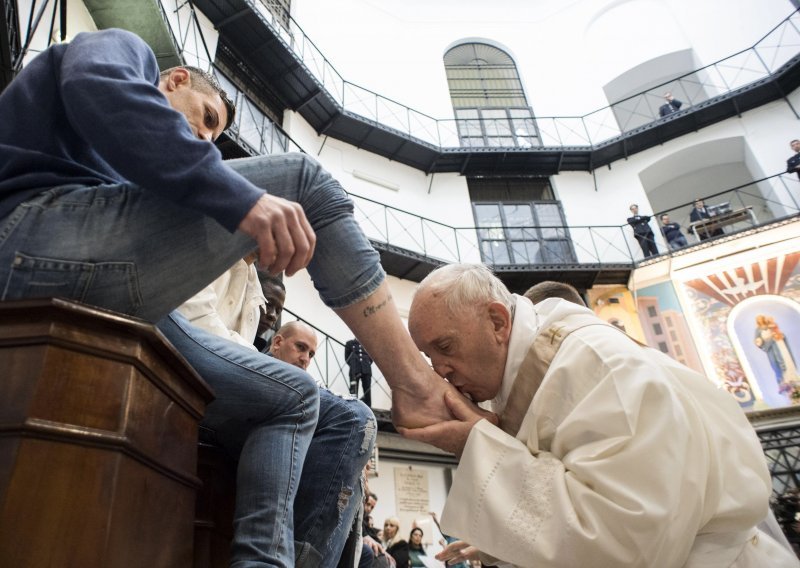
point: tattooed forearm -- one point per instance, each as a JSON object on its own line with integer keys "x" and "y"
{"x": 369, "y": 310}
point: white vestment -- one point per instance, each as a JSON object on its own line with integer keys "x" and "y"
{"x": 230, "y": 306}
{"x": 622, "y": 458}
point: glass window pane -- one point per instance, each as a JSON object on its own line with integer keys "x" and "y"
{"x": 250, "y": 125}
{"x": 489, "y": 221}
{"x": 494, "y": 113}
{"x": 557, "y": 251}
{"x": 524, "y": 127}
{"x": 473, "y": 142}
{"x": 525, "y": 252}
{"x": 518, "y": 214}
{"x": 470, "y": 128}
{"x": 494, "y": 252}
{"x": 549, "y": 218}
{"x": 488, "y": 215}
{"x": 504, "y": 142}
{"x": 520, "y": 113}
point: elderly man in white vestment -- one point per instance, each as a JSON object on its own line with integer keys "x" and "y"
{"x": 606, "y": 454}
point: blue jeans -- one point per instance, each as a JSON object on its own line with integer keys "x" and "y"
{"x": 678, "y": 242}
{"x": 301, "y": 450}
{"x": 127, "y": 249}
{"x": 330, "y": 492}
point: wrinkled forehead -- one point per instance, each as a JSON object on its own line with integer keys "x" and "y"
{"x": 427, "y": 316}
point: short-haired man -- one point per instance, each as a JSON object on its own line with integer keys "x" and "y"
{"x": 295, "y": 343}
{"x": 111, "y": 193}
{"x": 672, "y": 233}
{"x": 793, "y": 163}
{"x": 670, "y": 105}
{"x": 552, "y": 289}
{"x": 606, "y": 453}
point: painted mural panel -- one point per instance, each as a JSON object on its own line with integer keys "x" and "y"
{"x": 653, "y": 316}
{"x": 749, "y": 320}
{"x": 665, "y": 326}
{"x": 615, "y": 305}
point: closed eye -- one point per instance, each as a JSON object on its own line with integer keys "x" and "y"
{"x": 211, "y": 119}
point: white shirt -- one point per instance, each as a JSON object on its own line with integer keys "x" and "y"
{"x": 230, "y": 306}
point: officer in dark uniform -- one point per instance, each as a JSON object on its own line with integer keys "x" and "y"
{"x": 360, "y": 364}
{"x": 793, "y": 163}
{"x": 642, "y": 231}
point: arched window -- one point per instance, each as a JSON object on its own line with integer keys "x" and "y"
{"x": 488, "y": 98}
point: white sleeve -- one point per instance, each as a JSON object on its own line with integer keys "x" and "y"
{"x": 201, "y": 311}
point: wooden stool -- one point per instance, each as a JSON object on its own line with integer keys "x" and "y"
{"x": 98, "y": 440}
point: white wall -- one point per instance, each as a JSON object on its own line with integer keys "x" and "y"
{"x": 384, "y": 487}
{"x": 441, "y": 197}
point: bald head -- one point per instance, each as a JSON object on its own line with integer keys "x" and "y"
{"x": 461, "y": 319}
{"x": 295, "y": 343}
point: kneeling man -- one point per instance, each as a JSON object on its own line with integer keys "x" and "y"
{"x": 606, "y": 453}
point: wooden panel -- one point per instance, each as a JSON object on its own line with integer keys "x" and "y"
{"x": 98, "y": 440}
{"x": 81, "y": 391}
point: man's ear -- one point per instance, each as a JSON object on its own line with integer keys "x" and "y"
{"x": 277, "y": 340}
{"x": 501, "y": 320}
{"x": 176, "y": 78}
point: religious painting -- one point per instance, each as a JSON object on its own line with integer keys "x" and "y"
{"x": 765, "y": 331}
{"x": 749, "y": 319}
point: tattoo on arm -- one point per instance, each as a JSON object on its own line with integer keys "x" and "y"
{"x": 369, "y": 310}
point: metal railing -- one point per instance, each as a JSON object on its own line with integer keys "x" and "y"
{"x": 768, "y": 199}
{"x": 760, "y": 202}
{"x": 694, "y": 89}
{"x": 329, "y": 368}
{"x": 782, "y": 449}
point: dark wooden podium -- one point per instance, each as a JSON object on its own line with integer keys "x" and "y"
{"x": 98, "y": 440}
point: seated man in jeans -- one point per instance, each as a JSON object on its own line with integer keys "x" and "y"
{"x": 111, "y": 193}
{"x": 329, "y": 493}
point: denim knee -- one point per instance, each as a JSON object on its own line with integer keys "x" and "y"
{"x": 367, "y": 424}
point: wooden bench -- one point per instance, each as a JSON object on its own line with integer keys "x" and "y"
{"x": 98, "y": 441}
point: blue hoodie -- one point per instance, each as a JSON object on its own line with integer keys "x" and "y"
{"x": 90, "y": 113}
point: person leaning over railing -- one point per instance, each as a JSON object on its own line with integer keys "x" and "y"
{"x": 672, "y": 233}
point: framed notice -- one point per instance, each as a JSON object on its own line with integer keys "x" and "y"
{"x": 411, "y": 491}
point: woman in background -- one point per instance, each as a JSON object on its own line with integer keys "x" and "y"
{"x": 395, "y": 546}
{"x": 415, "y": 549}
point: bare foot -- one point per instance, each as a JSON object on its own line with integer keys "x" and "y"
{"x": 424, "y": 405}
